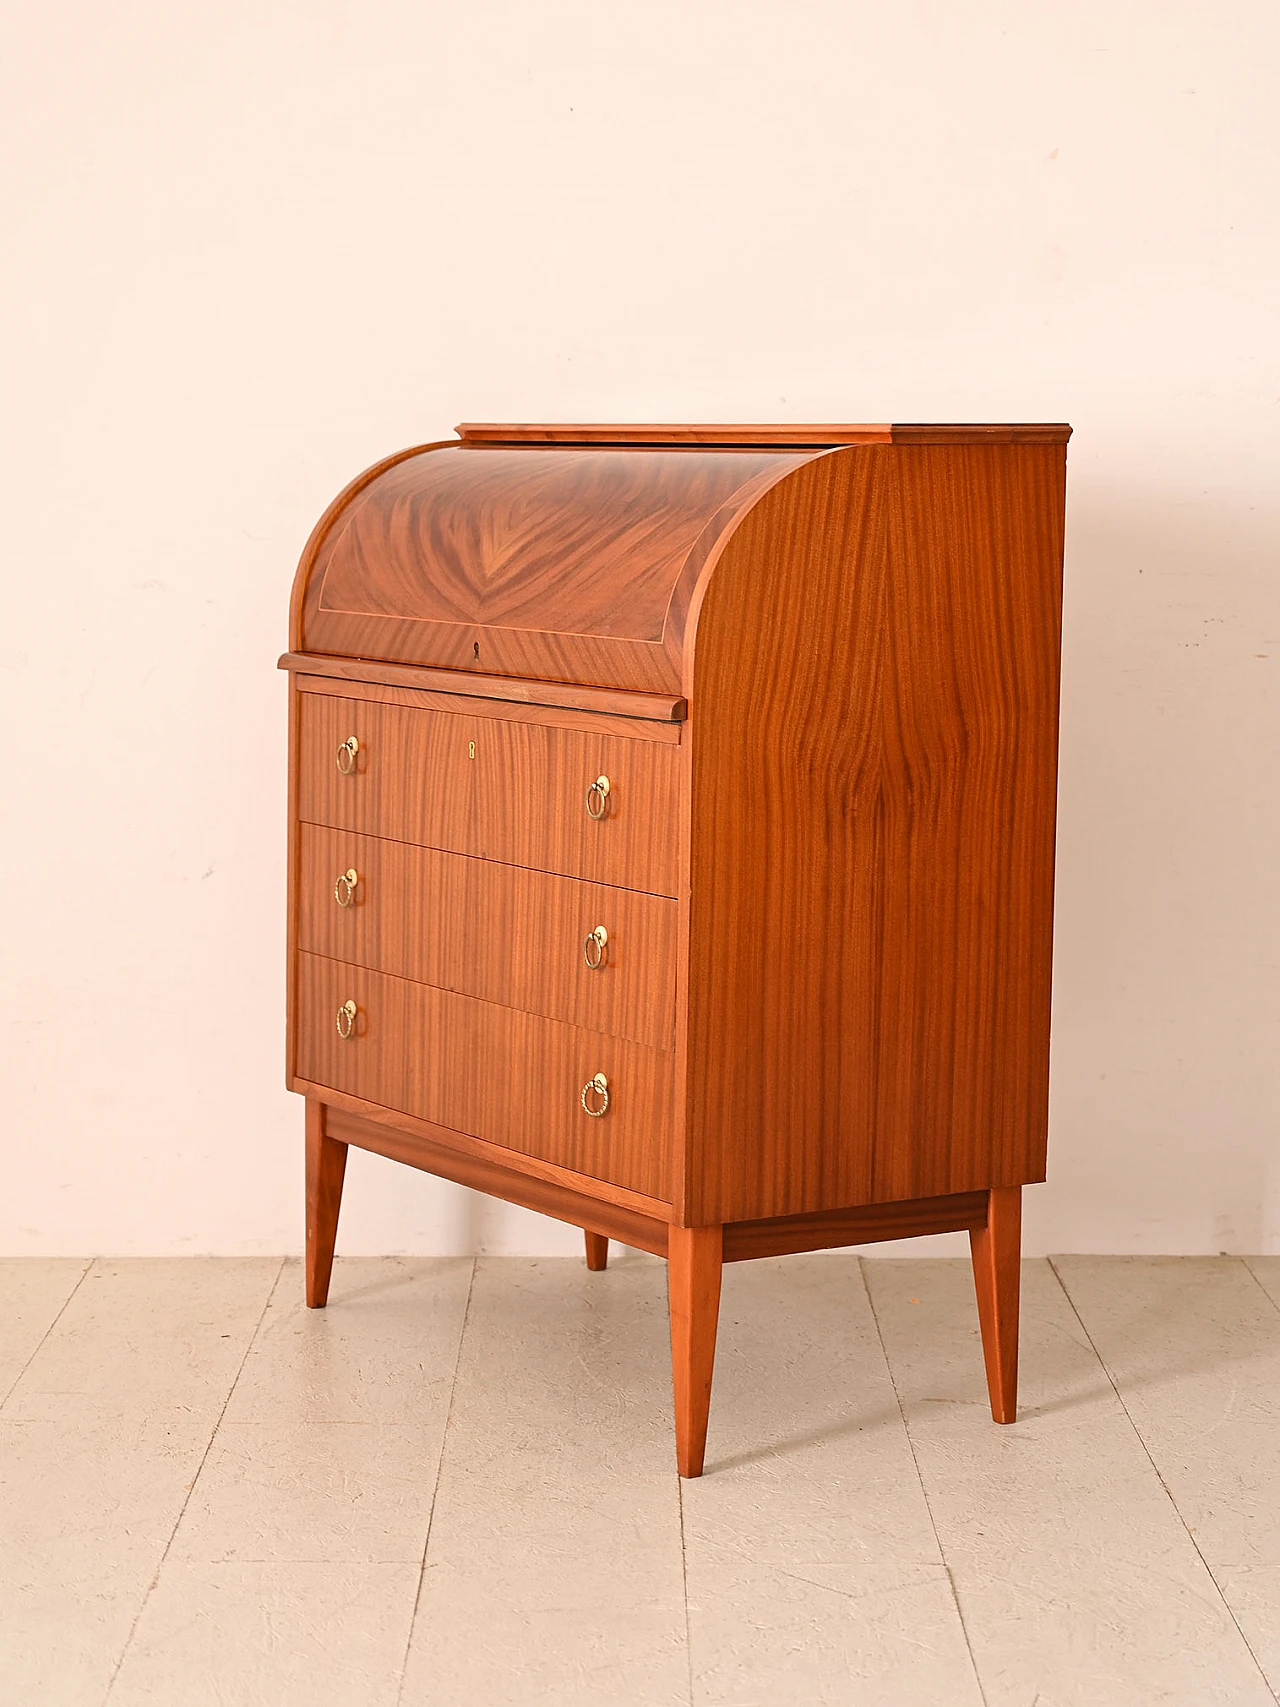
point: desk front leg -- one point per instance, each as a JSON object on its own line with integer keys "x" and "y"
{"x": 997, "y": 1273}
{"x": 326, "y": 1165}
{"x": 694, "y": 1262}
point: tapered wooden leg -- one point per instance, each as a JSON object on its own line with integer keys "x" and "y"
{"x": 597, "y": 1250}
{"x": 694, "y": 1256}
{"x": 997, "y": 1264}
{"x": 326, "y": 1164}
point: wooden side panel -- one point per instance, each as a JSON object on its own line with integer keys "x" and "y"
{"x": 969, "y": 798}
{"x": 874, "y": 733}
{"x": 496, "y": 932}
{"x": 552, "y": 563}
{"x": 510, "y": 1078}
{"x": 293, "y": 848}
{"x": 520, "y": 799}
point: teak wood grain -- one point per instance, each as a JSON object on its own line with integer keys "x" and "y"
{"x": 827, "y": 1229}
{"x": 666, "y": 731}
{"x": 553, "y": 564}
{"x": 874, "y": 732}
{"x": 773, "y": 435}
{"x": 819, "y": 666}
{"x": 326, "y": 1165}
{"x": 486, "y": 1155}
{"x": 484, "y": 1168}
{"x": 694, "y": 1265}
{"x": 501, "y": 933}
{"x": 521, "y": 799}
{"x": 510, "y": 1078}
{"x": 997, "y": 1275}
{"x": 504, "y": 691}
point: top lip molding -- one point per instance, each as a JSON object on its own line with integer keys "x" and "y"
{"x": 773, "y": 435}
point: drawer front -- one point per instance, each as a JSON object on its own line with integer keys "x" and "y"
{"x": 511, "y": 1078}
{"x": 498, "y": 932}
{"x": 512, "y": 792}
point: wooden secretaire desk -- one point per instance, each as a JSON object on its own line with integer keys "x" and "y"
{"x": 672, "y": 830}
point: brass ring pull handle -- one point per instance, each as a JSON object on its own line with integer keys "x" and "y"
{"x": 347, "y": 751}
{"x": 344, "y": 887}
{"x": 597, "y": 1087}
{"x": 598, "y": 798}
{"x": 595, "y": 948}
{"x": 347, "y": 1020}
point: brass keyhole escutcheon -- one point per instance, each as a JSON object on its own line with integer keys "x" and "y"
{"x": 598, "y": 798}
{"x": 595, "y": 948}
{"x": 471, "y": 749}
{"x": 346, "y": 1021}
{"x": 344, "y": 887}
{"x": 595, "y": 1096}
{"x": 347, "y": 751}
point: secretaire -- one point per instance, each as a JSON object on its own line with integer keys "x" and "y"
{"x": 672, "y": 831}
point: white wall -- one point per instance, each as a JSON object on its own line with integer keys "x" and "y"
{"x": 255, "y": 246}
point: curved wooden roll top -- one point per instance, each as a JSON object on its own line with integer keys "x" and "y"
{"x": 572, "y": 564}
{"x": 570, "y": 554}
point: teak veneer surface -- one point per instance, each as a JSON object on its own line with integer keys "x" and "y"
{"x": 667, "y": 731}
{"x": 483, "y": 1168}
{"x": 874, "y": 739}
{"x": 513, "y": 1079}
{"x": 827, "y": 1229}
{"x": 819, "y": 666}
{"x": 775, "y": 435}
{"x": 479, "y": 1150}
{"x": 505, "y": 692}
{"x": 497, "y": 932}
{"x": 562, "y": 564}
{"x": 521, "y": 799}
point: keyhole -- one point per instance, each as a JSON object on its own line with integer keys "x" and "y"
{"x": 471, "y": 749}
{"x": 475, "y": 651}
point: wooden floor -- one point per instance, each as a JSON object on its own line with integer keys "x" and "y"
{"x": 457, "y": 1485}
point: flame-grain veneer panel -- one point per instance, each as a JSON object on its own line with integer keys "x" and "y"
{"x": 553, "y": 563}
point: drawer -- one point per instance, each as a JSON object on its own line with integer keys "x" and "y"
{"x": 499, "y": 932}
{"x": 512, "y": 792}
{"x": 515, "y": 1079}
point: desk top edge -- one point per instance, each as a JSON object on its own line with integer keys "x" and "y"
{"x": 778, "y": 436}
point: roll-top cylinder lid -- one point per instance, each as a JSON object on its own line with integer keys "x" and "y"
{"x": 548, "y": 553}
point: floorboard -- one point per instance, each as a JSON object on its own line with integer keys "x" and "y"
{"x": 458, "y": 1484}
{"x": 1077, "y": 1579}
{"x": 1193, "y": 1346}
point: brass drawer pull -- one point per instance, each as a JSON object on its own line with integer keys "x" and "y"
{"x": 347, "y": 1020}
{"x": 599, "y": 1087}
{"x": 347, "y": 751}
{"x": 344, "y": 887}
{"x": 598, "y": 798}
{"x": 595, "y": 948}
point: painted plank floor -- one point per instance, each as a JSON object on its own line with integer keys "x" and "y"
{"x": 457, "y": 1485}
